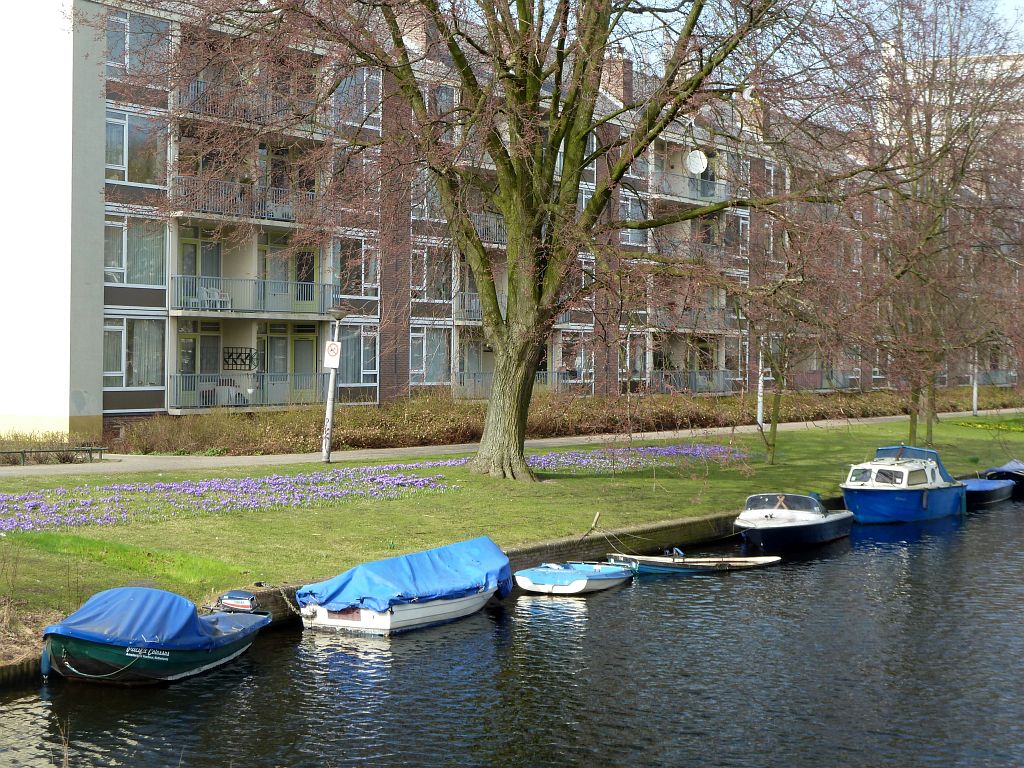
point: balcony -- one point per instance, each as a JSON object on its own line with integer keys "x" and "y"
{"x": 490, "y": 227}
{"x": 823, "y": 380}
{"x": 192, "y": 391}
{"x": 477, "y": 385}
{"x": 997, "y": 378}
{"x": 238, "y": 200}
{"x": 238, "y": 294}
{"x": 684, "y": 188}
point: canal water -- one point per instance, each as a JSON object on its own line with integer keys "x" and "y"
{"x": 902, "y": 646}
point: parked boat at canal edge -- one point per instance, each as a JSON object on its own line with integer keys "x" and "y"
{"x": 680, "y": 564}
{"x": 410, "y": 591}
{"x": 780, "y": 521}
{"x": 982, "y": 492}
{"x": 572, "y": 578}
{"x": 139, "y": 635}
{"x": 1011, "y": 470}
{"x": 902, "y": 484}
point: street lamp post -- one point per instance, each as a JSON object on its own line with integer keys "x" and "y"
{"x": 331, "y": 361}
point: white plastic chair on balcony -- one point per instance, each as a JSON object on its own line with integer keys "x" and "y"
{"x": 214, "y": 298}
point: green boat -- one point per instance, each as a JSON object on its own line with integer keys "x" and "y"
{"x": 139, "y": 636}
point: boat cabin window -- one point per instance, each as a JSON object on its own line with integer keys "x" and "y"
{"x": 917, "y": 477}
{"x": 783, "y": 501}
{"x": 860, "y": 475}
{"x": 889, "y": 477}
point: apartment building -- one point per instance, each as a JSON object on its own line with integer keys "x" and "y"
{"x": 170, "y": 289}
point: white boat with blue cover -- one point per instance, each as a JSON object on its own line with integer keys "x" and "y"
{"x": 410, "y": 591}
{"x": 572, "y": 578}
{"x": 902, "y": 484}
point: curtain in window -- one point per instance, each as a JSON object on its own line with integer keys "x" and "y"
{"x": 437, "y": 366}
{"x": 144, "y": 261}
{"x": 112, "y": 359}
{"x": 113, "y": 254}
{"x": 145, "y": 353}
{"x": 351, "y": 350}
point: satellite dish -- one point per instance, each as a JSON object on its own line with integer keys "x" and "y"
{"x": 748, "y": 93}
{"x": 696, "y": 162}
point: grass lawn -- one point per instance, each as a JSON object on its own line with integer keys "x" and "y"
{"x": 198, "y": 553}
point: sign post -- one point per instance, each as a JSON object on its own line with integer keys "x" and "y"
{"x": 332, "y": 360}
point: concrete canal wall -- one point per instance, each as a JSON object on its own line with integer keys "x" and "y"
{"x": 642, "y": 539}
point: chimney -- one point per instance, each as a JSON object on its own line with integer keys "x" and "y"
{"x": 617, "y": 75}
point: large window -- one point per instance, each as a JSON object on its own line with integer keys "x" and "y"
{"x": 133, "y": 352}
{"x": 426, "y": 202}
{"x": 443, "y": 101}
{"x": 356, "y": 266}
{"x": 134, "y": 251}
{"x": 357, "y": 98}
{"x": 631, "y": 208}
{"x": 136, "y": 149}
{"x": 135, "y": 43}
{"x": 577, "y": 356}
{"x": 358, "y": 355}
{"x": 430, "y": 277}
{"x": 430, "y": 355}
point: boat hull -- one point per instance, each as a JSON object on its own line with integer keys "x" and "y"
{"x": 903, "y": 505}
{"x": 398, "y": 618}
{"x": 78, "y": 659}
{"x": 986, "y": 493}
{"x": 797, "y": 535}
{"x": 572, "y": 580}
{"x": 689, "y": 566}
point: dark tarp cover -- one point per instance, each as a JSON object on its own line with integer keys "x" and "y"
{"x": 1011, "y": 470}
{"x": 910, "y": 452}
{"x": 153, "y": 618}
{"x": 457, "y": 570}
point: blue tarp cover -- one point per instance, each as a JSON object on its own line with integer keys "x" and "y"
{"x": 456, "y": 570}
{"x": 910, "y": 452}
{"x": 153, "y": 618}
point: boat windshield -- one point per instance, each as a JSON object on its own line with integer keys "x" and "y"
{"x": 860, "y": 475}
{"x": 889, "y": 477}
{"x": 784, "y": 501}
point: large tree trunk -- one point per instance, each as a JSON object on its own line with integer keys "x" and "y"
{"x": 501, "y": 452}
{"x": 773, "y": 430}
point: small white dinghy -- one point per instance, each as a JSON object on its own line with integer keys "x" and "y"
{"x": 572, "y": 578}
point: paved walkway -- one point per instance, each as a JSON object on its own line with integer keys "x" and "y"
{"x": 125, "y": 463}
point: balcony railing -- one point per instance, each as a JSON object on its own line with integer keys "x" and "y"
{"x": 704, "y": 319}
{"x": 997, "y": 378}
{"x": 239, "y": 294}
{"x": 236, "y": 199}
{"x": 490, "y": 227}
{"x": 477, "y": 385}
{"x": 687, "y": 188}
{"x": 823, "y": 380}
{"x": 251, "y": 104}
{"x": 717, "y": 382}
{"x": 466, "y": 307}
{"x": 253, "y": 390}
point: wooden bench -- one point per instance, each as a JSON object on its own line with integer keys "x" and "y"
{"x": 80, "y": 451}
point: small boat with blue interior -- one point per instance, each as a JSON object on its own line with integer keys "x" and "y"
{"x": 572, "y": 578}
{"x": 410, "y": 591}
{"x": 902, "y": 484}
{"x": 139, "y": 635}
{"x": 982, "y": 492}
{"x": 778, "y": 521}
{"x": 1011, "y": 470}
{"x": 678, "y": 563}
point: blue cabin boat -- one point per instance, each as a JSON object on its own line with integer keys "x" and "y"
{"x": 902, "y": 484}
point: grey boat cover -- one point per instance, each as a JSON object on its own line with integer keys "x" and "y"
{"x": 456, "y": 570}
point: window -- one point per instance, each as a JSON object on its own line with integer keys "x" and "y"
{"x": 917, "y": 477}
{"x": 631, "y": 208}
{"x": 133, "y": 352}
{"x": 358, "y": 355}
{"x": 430, "y": 276}
{"x": 357, "y": 98}
{"x": 577, "y": 356}
{"x": 135, "y": 43}
{"x": 633, "y": 357}
{"x": 136, "y": 149}
{"x": 356, "y": 266}
{"x": 638, "y": 169}
{"x": 443, "y": 101}
{"x": 590, "y": 149}
{"x": 430, "y": 355}
{"x": 889, "y": 477}
{"x": 859, "y": 475}
{"x": 426, "y": 202}
{"x": 769, "y": 178}
{"x": 134, "y": 251}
